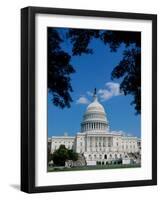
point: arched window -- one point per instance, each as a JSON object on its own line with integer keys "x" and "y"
{"x": 105, "y": 156}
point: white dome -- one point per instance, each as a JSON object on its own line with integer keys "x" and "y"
{"x": 94, "y": 118}
{"x": 95, "y": 106}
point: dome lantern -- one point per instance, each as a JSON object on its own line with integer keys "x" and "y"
{"x": 95, "y": 95}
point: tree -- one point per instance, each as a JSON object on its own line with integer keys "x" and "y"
{"x": 72, "y": 155}
{"x": 61, "y": 155}
{"x": 59, "y": 71}
{"x": 49, "y": 156}
{"x": 130, "y": 68}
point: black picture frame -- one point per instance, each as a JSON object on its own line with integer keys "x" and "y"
{"x": 28, "y": 99}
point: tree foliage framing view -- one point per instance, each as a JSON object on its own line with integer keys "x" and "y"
{"x": 60, "y": 68}
{"x": 61, "y": 155}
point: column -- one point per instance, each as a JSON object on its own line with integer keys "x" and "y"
{"x": 99, "y": 141}
{"x": 88, "y": 144}
{"x": 94, "y": 141}
{"x": 102, "y": 143}
{"x": 106, "y": 143}
{"x": 90, "y": 139}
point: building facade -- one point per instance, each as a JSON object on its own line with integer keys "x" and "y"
{"x": 96, "y": 143}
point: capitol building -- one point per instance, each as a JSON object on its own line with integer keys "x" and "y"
{"x": 95, "y": 143}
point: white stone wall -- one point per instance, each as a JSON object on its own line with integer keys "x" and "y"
{"x": 129, "y": 144}
{"x": 105, "y": 143}
{"x": 57, "y": 141}
{"x": 99, "y": 147}
{"x": 80, "y": 143}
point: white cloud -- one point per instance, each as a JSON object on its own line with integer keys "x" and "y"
{"x": 89, "y": 93}
{"x": 104, "y": 94}
{"x": 112, "y": 89}
{"x": 82, "y": 100}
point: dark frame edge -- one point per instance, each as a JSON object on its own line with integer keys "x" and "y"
{"x": 90, "y": 13}
{"x": 24, "y": 100}
{"x": 27, "y": 102}
{"x": 154, "y": 99}
{"x": 93, "y": 186}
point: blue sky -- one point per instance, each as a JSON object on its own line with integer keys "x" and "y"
{"x": 94, "y": 71}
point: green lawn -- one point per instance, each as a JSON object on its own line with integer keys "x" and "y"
{"x": 116, "y": 166}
